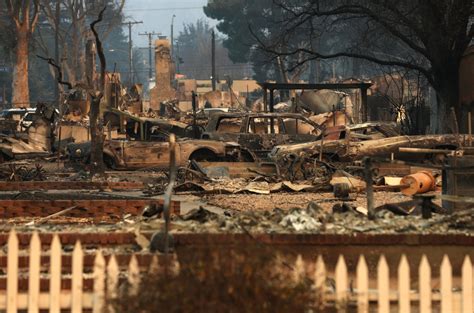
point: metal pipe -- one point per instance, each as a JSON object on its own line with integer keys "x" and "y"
{"x": 194, "y": 105}
{"x": 169, "y": 191}
{"x": 424, "y": 150}
{"x": 469, "y": 126}
{"x": 365, "y": 108}
{"x": 369, "y": 188}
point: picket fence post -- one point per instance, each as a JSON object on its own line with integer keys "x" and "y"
{"x": 467, "y": 286}
{"x": 383, "y": 285}
{"x": 299, "y": 271}
{"x": 446, "y": 273}
{"x": 403, "y": 285}
{"x": 362, "y": 285}
{"x": 341, "y": 284}
{"x": 99, "y": 283}
{"x": 320, "y": 281}
{"x": 133, "y": 275}
{"x": 425, "y": 285}
{"x": 77, "y": 278}
{"x": 113, "y": 272}
{"x": 34, "y": 274}
{"x": 154, "y": 265}
{"x": 55, "y": 273}
{"x": 12, "y": 273}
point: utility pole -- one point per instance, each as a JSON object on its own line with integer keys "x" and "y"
{"x": 172, "y": 37}
{"x": 213, "y": 61}
{"x": 178, "y": 60}
{"x": 150, "y": 50}
{"x": 130, "y": 50}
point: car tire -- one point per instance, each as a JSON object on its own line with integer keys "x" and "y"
{"x": 246, "y": 156}
{"x": 204, "y": 155}
{"x": 109, "y": 162}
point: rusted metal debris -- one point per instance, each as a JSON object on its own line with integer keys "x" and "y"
{"x": 22, "y": 174}
{"x": 458, "y": 181}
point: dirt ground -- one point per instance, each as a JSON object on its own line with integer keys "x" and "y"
{"x": 286, "y": 201}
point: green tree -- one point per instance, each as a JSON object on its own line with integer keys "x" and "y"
{"x": 194, "y": 53}
{"x": 429, "y": 37}
{"x": 244, "y": 22}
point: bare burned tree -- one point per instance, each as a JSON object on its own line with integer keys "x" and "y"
{"x": 95, "y": 120}
{"x": 59, "y": 72}
{"x": 25, "y": 17}
{"x": 430, "y": 37}
{"x": 96, "y": 94}
{"x": 73, "y": 33}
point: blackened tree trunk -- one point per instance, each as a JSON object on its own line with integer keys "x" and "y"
{"x": 95, "y": 118}
{"x": 97, "y": 137}
{"x": 25, "y": 16}
{"x": 96, "y": 131}
{"x": 446, "y": 85}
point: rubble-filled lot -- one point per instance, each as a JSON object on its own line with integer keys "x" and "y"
{"x": 278, "y": 212}
{"x": 254, "y": 180}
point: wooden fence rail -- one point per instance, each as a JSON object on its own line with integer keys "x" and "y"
{"x": 381, "y": 297}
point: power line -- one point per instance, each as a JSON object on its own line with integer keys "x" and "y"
{"x": 130, "y": 49}
{"x": 150, "y": 49}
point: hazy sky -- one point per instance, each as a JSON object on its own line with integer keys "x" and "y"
{"x": 156, "y": 16}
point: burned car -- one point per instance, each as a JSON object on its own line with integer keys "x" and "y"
{"x": 130, "y": 154}
{"x": 354, "y": 142}
{"x": 143, "y": 128}
{"x": 258, "y": 133}
{"x": 37, "y": 142}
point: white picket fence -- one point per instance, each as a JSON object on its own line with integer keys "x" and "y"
{"x": 403, "y": 299}
{"x": 106, "y": 280}
{"x": 105, "y": 277}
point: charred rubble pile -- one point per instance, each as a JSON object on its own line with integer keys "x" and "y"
{"x": 344, "y": 219}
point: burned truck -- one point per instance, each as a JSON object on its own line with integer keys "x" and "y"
{"x": 258, "y": 133}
